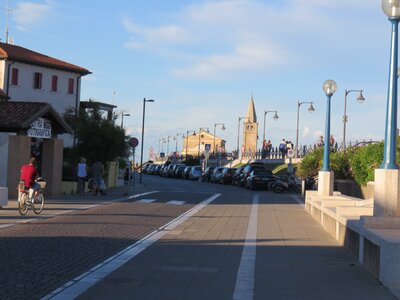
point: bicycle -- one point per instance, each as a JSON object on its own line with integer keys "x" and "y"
{"x": 26, "y": 197}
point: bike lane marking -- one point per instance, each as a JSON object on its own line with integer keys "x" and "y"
{"x": 244, "y": 287}
{"x": 81, "y": 283}
{"x": 49, "y": 213}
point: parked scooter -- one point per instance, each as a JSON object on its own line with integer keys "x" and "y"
{"x": 286, "y": 184}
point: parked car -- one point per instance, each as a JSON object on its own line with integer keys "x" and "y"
{"x": 226, "y": 175}
{"x": 156, "y": 169}
{"x": 216, "y": 174}
{"x": 162, "y": 170}
{"x": 178, "y": 170}
{"x": 247, "y": 171}
{"x": 236, "y": 176}
{"x": 150, "y": 169}
{"x": 195, "y": 173}
{"x": 169, "y": 171}
{"x": 258, "y": 178}
{"x": 186, "y": 171}
{"x": 206, "y": 176}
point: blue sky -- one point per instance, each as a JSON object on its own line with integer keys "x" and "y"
{"x": 202, "y": 60}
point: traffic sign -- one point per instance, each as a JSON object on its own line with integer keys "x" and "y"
{"x": 208, "y": 147}
{"x": 133, "y": 142}
{"x": 162, "y": 154}
{"x": 290, "y": 153}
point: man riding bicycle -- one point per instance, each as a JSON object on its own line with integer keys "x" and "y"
{"x": 29, "y": 174}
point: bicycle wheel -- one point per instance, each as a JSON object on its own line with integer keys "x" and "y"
{"x": 38, "y": 204}
{"x": 23, "y": 203}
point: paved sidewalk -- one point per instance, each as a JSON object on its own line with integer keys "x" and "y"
{"x": 211, "y": 256}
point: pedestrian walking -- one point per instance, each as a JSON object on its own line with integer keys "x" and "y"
{"x": 282, "y": 148}
{"x": 97, "y": 174}
{"x": 82, "y": 172}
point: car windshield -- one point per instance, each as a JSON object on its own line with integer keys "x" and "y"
{"x": 261, "y": 172}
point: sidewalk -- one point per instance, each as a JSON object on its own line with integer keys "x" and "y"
{"x": 245, "y": 246}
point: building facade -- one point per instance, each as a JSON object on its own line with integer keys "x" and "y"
{"x": 195, "y": 144}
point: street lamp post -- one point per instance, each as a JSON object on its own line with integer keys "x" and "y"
{"x": 240, "y": 118}
{"x": 176, "y": 140}
{"x": 168, "y": 146}
{"x": 360, "y": 99}
{"x": 187, "y": 141}
{"x": 275, "y": 117}
{"x": 392, "y": 10}
{"x": 329, "y": 88}
{"x": 122, "y": 119}
{"x": 141, "y": 150}
{"x": 310, "y": 109}
{"x": 223, "y": 128}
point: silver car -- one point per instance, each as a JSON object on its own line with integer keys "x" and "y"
{"x": 195, "y": 173}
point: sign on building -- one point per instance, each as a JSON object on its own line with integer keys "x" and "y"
{"x": 41, "y": 128}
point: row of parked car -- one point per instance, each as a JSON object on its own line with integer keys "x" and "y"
{"x": 251, "y": 176}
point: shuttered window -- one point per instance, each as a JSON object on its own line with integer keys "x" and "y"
{"x": 14, "y": 76}
{"x": 70, "y": 86}
{"x": 54, "y": 82}
{"x": 37, "y": 83}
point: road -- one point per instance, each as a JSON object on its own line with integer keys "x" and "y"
{"x": 180, "y": 240}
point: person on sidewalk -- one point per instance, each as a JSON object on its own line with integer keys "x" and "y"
{"x": 97, "y": 173}
{"x": 29, "y": 174}
{"x": 82, "y": 172}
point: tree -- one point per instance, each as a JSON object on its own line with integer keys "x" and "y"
{"x": 97, "y": 137}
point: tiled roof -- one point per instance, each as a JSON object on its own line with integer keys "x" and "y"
{"x": 16, "y": 116}
{"x": 20, "y": 54}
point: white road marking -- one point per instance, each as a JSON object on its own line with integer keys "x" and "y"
{"x": 146, "y": 200}
{"x": 80, "y": 284}
{"x": 244, "y": 287}
{"x": 176, "y": 202}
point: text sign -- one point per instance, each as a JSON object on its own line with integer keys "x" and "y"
{"x": 133, "y": 142}
{"x": 41, "y": 128}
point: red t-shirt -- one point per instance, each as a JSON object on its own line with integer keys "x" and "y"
{"x": 28, "y": 175}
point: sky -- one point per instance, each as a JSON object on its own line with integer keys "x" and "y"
{"x": 202, "y": 61}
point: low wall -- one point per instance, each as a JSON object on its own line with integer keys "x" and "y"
{"x": 351, "y": 188}
{"x": 374, "y": 241}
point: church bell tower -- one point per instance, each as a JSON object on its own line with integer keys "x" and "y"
{"x": 250, "y": 129}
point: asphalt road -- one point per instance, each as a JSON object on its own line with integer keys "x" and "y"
{"x": 39, "y": 257}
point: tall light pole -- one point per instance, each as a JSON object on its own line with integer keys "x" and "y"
{"x": 360, "y": 99}
{"x": 275, "y": 117}
{"x": 329, "y": 87}
{"x": 392, "y": 10}
{"x": 187, "y": 141}
{"x": 176, "y": 139}
{"x": 122, "y": 119}
{"x": 168, "y": 145}
{"x": 141, "y": 150}
{"x": 240, "y": 118}
{"x": 311, "y": 110}
{"x": 223, "y": 128}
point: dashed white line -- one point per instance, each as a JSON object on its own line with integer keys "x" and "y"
{"x": 176, "y": 202}
{"x": 146, "y": 200}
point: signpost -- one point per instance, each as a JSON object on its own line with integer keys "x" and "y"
{"x": 133, "y": 142}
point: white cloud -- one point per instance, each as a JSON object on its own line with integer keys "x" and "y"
{"x": 28, "y": 14}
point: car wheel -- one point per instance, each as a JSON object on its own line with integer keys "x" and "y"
{"x": 278, "y": 188}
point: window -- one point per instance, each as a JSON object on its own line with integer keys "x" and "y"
{"x": 70, "y": 86}
{"x": 54, "y": 81}
{"x": 14, "y": 76}
{"x": 37, "y": 84}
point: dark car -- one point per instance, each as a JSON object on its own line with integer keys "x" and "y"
{"x": 206, "y": 176}
{"x": 236, "y": 176}
{"x": 178, "y": 170}
{"x": 186, "y": 171}
{"x": 195, "y": 173}
{"x": 169, "y": 171}
{"x": 216, "y": 174}
{"x": 226, "y": 175}
{"x": 156, "y": 169}
{"x": 258, "y": 178}
{"x": 247, "y": 171}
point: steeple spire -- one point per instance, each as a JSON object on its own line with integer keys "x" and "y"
{"x": 251, "y": 112}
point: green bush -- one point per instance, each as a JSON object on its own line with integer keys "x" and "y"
{"x": 340, "y": 165}
{"x": 311, "y": 163}
{"x": 364, "y": 161}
